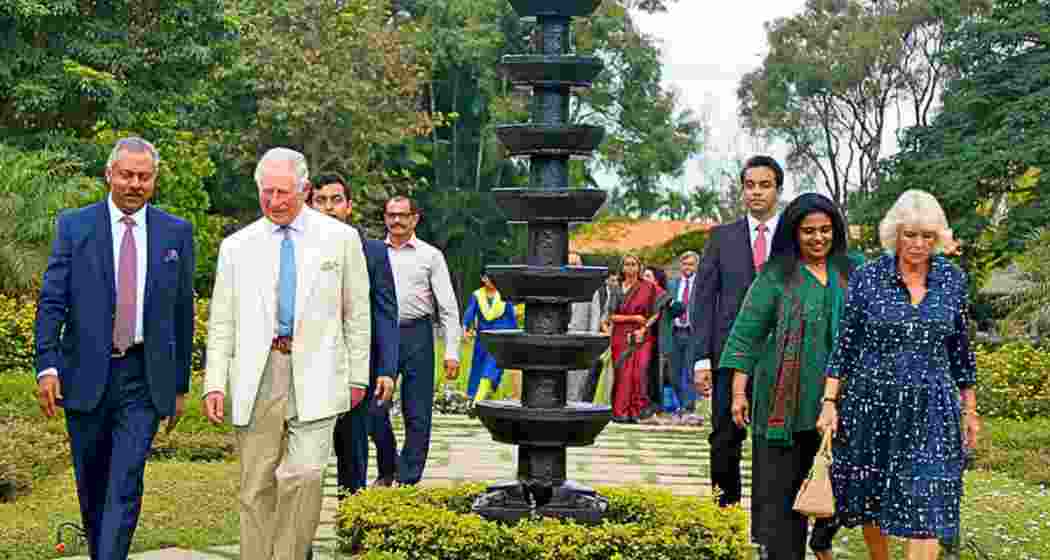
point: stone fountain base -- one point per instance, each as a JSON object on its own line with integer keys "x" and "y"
{"x": 510, "y": 502}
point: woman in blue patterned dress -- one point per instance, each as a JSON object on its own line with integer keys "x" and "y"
{"x": 900, "y": 390}
{"x": 487, "y": 311}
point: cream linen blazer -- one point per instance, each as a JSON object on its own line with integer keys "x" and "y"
{"x": 332, "y": 339}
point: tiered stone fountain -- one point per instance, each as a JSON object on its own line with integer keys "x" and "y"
{"x": 544, "y": 424}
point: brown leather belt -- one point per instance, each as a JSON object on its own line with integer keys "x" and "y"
{"x": 282, "y": 344}
{"x": 117, "y": 354}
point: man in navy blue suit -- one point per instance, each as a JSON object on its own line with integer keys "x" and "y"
{"x": 114, "y": 329}
{"x": 331, "y": 196}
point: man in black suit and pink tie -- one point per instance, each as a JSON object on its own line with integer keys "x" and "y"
{"x": 735, "y": 252}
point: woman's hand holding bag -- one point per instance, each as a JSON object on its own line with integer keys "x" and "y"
{"x": 815, "y": 498}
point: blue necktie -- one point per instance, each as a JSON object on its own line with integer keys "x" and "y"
{"x": 286, "y": 291}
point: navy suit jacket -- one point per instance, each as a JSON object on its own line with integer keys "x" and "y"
{"x": 386, "y": 334}
{"x": 672, "y": 289}
{"x": 75, "y": 313}
{"x": 722, "y": 281}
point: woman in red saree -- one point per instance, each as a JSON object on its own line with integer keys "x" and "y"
{"x": 634, "y": 312}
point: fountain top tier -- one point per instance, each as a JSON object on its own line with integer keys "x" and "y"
{"x": 555, "y": 8}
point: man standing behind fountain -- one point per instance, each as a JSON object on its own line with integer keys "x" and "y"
{"x": 732, "y": 257}
{"x": 289, "y": 338}
{"x": 424, "y": 289}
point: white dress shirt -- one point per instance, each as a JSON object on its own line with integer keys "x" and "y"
{"x": 421, "y": 280}
{"x": 683, "y": 321}
{"x": 139, "y": 232}
{"x": 771, "y": 226}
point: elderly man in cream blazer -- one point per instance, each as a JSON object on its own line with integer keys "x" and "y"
{"x": 288, "y": 340}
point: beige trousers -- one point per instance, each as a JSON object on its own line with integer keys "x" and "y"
{"x": 282, "y": 470}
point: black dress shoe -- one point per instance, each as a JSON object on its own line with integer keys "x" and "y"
{"x": 384, "y": 481}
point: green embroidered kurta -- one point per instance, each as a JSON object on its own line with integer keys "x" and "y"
{"x": 753, "y": 347}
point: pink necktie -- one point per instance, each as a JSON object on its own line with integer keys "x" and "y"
{"x": 127, "y": 289}
{"x": 758, "y": 252}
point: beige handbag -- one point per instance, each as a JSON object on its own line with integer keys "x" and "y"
{"x": 815, "y": 498}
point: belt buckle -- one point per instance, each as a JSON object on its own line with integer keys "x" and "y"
{"x": 115, "y": 353}
{"x": 282, "y": 344}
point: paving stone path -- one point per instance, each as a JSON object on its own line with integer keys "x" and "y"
{"x": 674, "y": 458}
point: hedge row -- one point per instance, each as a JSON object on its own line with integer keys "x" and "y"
{"x": 436, "y": 524}
{"x": 1013, "y": 379}
{"x": 16, "y": 333}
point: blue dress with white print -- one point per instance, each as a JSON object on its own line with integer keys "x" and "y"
{"x": 898, "y": 453}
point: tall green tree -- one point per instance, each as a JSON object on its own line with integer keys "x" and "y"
{"x": 37, "y": 185}
{"x": 984, "y": 154}
{"x": 459, "y": 162}
{"x": 76, "y": 75}
{"x": 66, "y": 65}
{"x": 650, "y": 135}
{"x": 833, "y": 74}
{"x": 339, "y": 80}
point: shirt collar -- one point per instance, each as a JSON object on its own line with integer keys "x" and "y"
{"x": 771, "y": 224}
{"x": 411, "y": 243}
{"x": 297, "y": 225}
{"x": 115, "y": 214}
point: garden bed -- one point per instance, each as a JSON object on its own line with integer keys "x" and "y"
{"x": 436, "y": 523}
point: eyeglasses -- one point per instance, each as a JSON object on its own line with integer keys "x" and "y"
{"x": 399, "y": 215}
{"x": 324, "y": 201}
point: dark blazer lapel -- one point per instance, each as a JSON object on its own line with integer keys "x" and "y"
{"x": 744, "y": 235}
{"x": 104, "y": 239}
{"x": 156, "y": 242}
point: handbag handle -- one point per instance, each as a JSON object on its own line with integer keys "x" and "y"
{"x": 825, "y": 445}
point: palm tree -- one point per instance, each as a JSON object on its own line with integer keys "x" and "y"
{"x": 36, "y": 186}
{"x": 1030, "y": 304}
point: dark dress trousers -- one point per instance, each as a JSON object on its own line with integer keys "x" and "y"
{"x": 351, "y": 430}
{"x": 113, "y": 405}
{"x": 724, "y": 276}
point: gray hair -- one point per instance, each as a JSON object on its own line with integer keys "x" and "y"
{"x": 136, "y": 145}
{"x": 298, "y": 161}
{"x": 687, "y": 254}
{"x": 914, "y": 208}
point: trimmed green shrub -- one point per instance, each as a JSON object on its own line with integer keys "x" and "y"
{"x": 17, "y": 314}
{"x": 436, "y": 524}
{"x": 16, "y": 332}
{"x": 1013, "y": 381}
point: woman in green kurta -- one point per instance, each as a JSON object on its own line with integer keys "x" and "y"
{"x": 780, "y": 342}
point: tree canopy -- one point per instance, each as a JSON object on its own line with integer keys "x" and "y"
{"x": 983, "y": 155}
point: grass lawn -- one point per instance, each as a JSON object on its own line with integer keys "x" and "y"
{"x": 186, "y": 504}
{"x": 190, "y": 497}
{"x": 466, "y": 353}
{"x": 1006, "y": 518}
